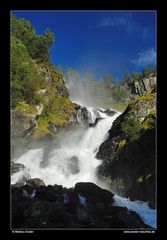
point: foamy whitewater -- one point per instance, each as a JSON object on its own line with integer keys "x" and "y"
{"x": 82, "y": 144}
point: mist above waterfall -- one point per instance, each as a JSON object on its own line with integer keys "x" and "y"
{"x": 80, "y": 91}
{"x": 87, "y": 91}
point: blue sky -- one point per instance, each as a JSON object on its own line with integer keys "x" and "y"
{"x": 103, "y": 42}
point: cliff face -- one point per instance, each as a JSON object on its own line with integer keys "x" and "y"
{"x": 34, "y": 124}
{"x": 143, "y": 85}
{"x": 129, "y": 153}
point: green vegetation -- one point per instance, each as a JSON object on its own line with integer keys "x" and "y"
{"x": 136, "y": 76}
{"x": 147, "y": 72}
{"x": 121, "y": 143}
{"x": 34, "y": 80}
{"x": 58, "y": 104}
{"x": 143, "y": 179}
{"x": 131, "y": 127}
{"x": 26, "y": 79}
{"x": 28, "y": 108}
{"x": 31, "y": 72}
{"x": 140, "y": 179}
{"x": 149, "y": 121}
{"x": 127, "y": 78}
{"x": 144, "y": 98}
{"x": 58, "y": 118}
{"x": 107, "y": 93}
{"x": 37, "y": 46}
{"x": 27, "y": 50}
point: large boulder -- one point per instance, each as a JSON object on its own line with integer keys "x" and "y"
{"x": 35, "y": 182}
{"x": 94, "y": 193}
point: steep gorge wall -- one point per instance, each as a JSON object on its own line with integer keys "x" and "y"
{"x": 129, "y": 153}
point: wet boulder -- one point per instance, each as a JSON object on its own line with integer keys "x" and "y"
{"x": 96, "y": 121}
{"x": 94, "y": 193}
{"x": 35, "y": 182}
{"x": 16, "y": 167}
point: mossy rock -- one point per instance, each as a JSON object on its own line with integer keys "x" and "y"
{"x": 122, "y": 143}
{"x": 150, "y": 120}
{"x": 60, "y": 120}
{"x": 149, "y": 96}
{"x": 28, "y": 109}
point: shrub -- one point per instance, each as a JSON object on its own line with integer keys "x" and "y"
{"x": 131, "y": 127}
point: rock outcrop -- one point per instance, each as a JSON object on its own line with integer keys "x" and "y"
{"x": 109, "y": 112}
{"x": 86, "y": 206}
{"x": 129, "y": 153}
{"x": 96, "y": 121}
{"x": 82, "y": 114}
{"x": 143, "y": 85}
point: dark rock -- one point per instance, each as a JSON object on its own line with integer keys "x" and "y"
{"x": 93, "y": 192}
{"x": 16, "y": 167}
{"x": 49, "y": 193}
{"x": 58, "y": 214}
{"x": 59, "y": 208}
{"x": 96, "y": 121}
{"x": 52, "y": 127}
{"x": 109, "y": 112}
{"x": 129, "y": 219}
{"x": 132, "y": 174}
{"x": 129, "y": 166}
{"x": 35, "y": 182}
{"x": 82, "y": 114}
{"x": 71, "y": 199}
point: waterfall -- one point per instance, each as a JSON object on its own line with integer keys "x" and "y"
{"x": 74, "y": 161}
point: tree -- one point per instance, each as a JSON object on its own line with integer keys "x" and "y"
{"x": 127, "y": 78}
{"x": 37, "y": 46}
{"x": 147, "y": 72}
{"x": 106, "y": 81}
{"x": 136, "y": 76}
{"x": 23, "y": 31}
{"x": 49, "y": 37}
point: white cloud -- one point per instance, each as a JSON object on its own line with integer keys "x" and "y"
{"x": 111, "y": 21}
{"x": 145, "y": 58}
{"x": 124, "y": 20}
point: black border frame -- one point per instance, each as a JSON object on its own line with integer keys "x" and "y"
{"x": 5, "y": 94}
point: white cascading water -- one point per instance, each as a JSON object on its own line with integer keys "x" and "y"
{"x": 83, "y": 145}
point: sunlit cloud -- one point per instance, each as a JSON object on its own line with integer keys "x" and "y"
{"x": 145, "y": 58}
